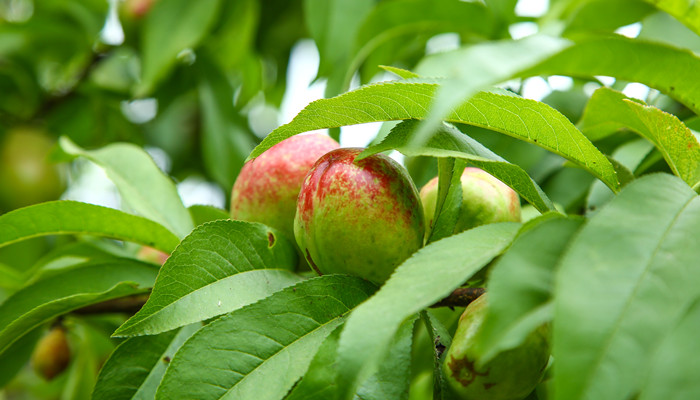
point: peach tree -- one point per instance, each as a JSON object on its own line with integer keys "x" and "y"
{"x": 603, "y": 267}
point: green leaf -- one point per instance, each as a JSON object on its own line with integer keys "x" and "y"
{"x": 259, "y": 351}
{"x": 673, "y": 374}
{"x": 686, "y": 11}
{"x": 72, "y": 217}
{"x": 521, "y": 283}
{"x": 225, "y": 142}
{"x": 143, "y": 186}
{"x": 441, "y": 340}
{"x": 447, "y": 141}
{"x": 605, "y": 15}
{"x": 392, "y": 378}
{"x": 414, "y": 286}
{"x": 390, "y": 382}
{"x": 391, "y": 24}
{"x": 634, "y": 259}
{"x": 610, "y": 110}
{"x": 605, "y": 115}
{"x": 520, "y": 118}
{"x": 171, "y": 27}
{"x": 202, "y": 214}
{"x": 449, "y": 202}
{"x": 17, "y": 355}
{"x": 333, "y": 25}
{"x": 68, "y": 290}
{"x": 666, "y": 68}
{"x": 212, "y": 272}
{"x": 674, "y": 140}
{"x": 400, "y": 72}
{"x": 136, "y": 367}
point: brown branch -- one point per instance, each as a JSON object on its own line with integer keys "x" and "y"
{"x": 130, "y": 305}
{"x": 460, "y": 297}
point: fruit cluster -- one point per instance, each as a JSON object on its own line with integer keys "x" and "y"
{"x": 364, "y": 218}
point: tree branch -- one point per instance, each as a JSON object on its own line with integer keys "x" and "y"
{"x": 460, "y": 297}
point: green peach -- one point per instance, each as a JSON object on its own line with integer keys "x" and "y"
{"x": 485, "y": 200}
{"x": 267, "y": 187}
{"x": 360, "y": 218}
{"x": 51, "y": 355}
{"x": 510, "y": 375}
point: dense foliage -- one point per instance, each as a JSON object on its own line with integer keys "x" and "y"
{"x": 606, "y": 161}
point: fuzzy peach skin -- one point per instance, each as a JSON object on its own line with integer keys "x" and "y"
{"x": 485, "y": 200}
{"x": 360, "y": 218}
{"x": 267, "y": 187}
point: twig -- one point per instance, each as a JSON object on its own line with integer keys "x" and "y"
{"x": 460, "y": 297}
{"x": 130, "y": 305}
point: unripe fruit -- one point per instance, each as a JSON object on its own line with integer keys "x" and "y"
{"x": 267, "y": 187}
{"x": 510, "y": 375}
{"x": 51, "y": 355}
{"x": 151, "y": 255}
{"x": 485, "y": 200}
{"x": 26, "y": 174}
{"x": 360, "y": 218}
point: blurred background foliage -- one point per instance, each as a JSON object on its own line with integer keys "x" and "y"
{"x": 200, "y": 83}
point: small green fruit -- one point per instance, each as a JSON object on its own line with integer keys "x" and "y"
{"x": 360, "y": 218}
{"x": 267, "y": 187}
{"x": 51, "y": 355}
{"x": 485, "y": 200}
{"x": 26, "y": 175}
{"x": 511, "y": 375}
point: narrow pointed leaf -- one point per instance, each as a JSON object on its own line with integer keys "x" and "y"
{"x": 142, "y": 185}
{"x": 136, "y": 367}
{"x": 523, "y": 119}
{"x": 449, "y": 201}
{"x": 72, "y": 217}
{"x": 441, "y": 339}
{"x": 450, "y": 142}
{"x": 259, "y": 351}
{"x": 606, "y": 114}
{"x": 68, "y": 290}
{"x": 216, "y": 269}
{"x": 414, "y": 286}
{"x": 676, "y": 142}
{"x": 521, "y": 283}
{"x": 636, "y": 258}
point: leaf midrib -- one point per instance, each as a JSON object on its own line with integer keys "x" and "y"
{"x": 633, "y": 295}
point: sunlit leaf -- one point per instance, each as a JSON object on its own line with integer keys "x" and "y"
{"x": 143, "y": 186}
{"x": 222, "y": 266}
{"x": 686, "y": 11}
{"x": 523, "y": 119}
{"x": 259, "y": 351}
{"x": 72, "y": 217}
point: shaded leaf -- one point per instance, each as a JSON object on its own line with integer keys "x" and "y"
{"x": 633, "y": 259}
{"x": 72, "y": 217}
{"x": 520, "y": 285}
{"x": 135, "y": 368}
{"x": 686, "y": 11}
{"x": 236, "y": 355}
{"x": 161, "y": 42}
{"x": 212, "y": 272}
{"x": 414, "y": 286}
{"x": 142, "y": 185}
{"x": 673, "y": 374}
{"x": 202, "y": 214}
{"x": 447, "y": 141}
{"x": 441, "y": 340}
{"x": 68, "y": 290}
